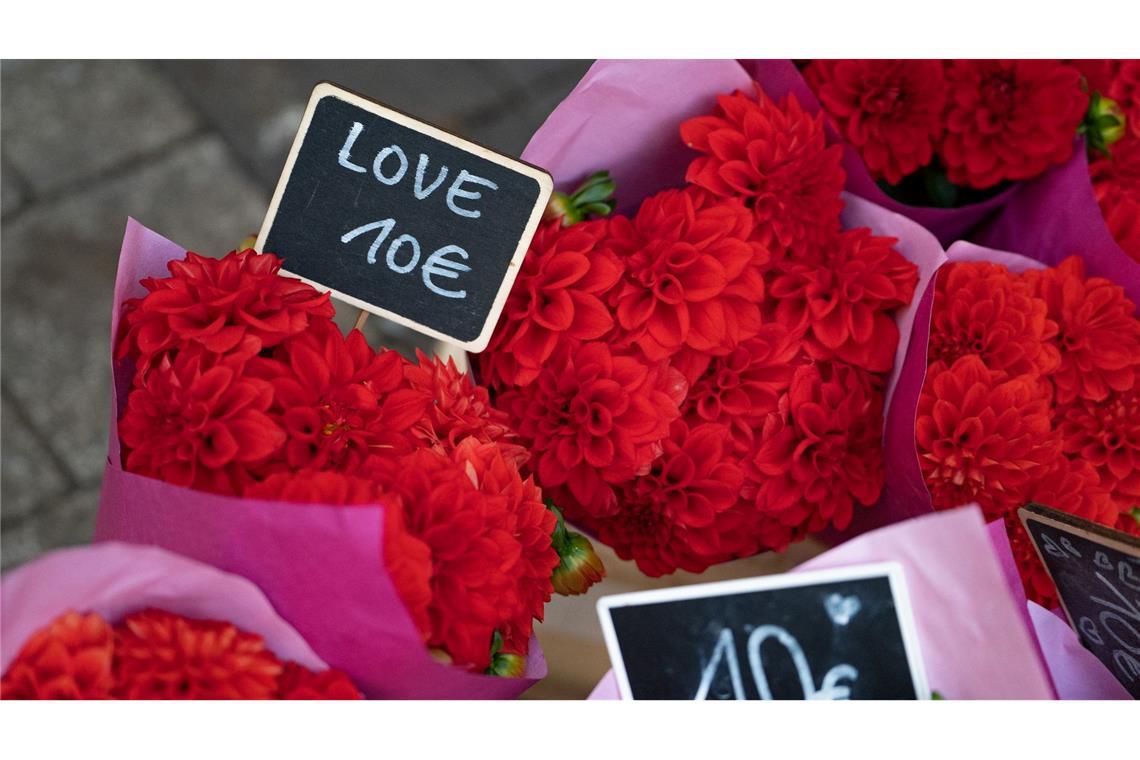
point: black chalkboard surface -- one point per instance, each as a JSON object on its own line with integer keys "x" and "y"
{"x": 832, "y": 634}
{"x": 1097, "y": 574}
{"x": 401, "y": 218}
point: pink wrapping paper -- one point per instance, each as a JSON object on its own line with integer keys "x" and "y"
{"x": 319, "y": 565}
{"x": 625, "y": 116}
{"x": 1056, "y": 216}
{"x": 780, "y": 77}
{"x": 115, "y": 579}
{"x": 971, "y": 633}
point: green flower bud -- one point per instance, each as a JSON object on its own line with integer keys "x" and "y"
{"x": 579, "y": 566}
{"x": 594, "y": 197}
{"x": 1103, "y": 124}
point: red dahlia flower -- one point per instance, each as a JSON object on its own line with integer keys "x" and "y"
{"x": 890, "y": 110}
{"x": 1098, "y": 333}
{"x": 820, "y": 453}
{"x": 160, "y": 655}
{"x": 217, "y": 303}
{"x": 297, "y": 682}
{"x": 842, "y": 299}
{"x": 1009, "y": 120}
{"x": 683, "y": 513}
{"x": 338, "y": 400}
{"x": 981, "y": 309}
{"x": 593, "y": 419}
{"x": 458, "y": 408}
{"x": 200, "y": 424}
{"x": 691, "y": 276}
{"x": 472, "y": 555}
{"x": 68, "y": 659}
{"x": 1106, "y": 435}
{"x": 557, "y": 296}
{"x": 982, "y": 436}
{"x": 532, "y": 525}
{"x": 774, "y": 158}
{"x": 741, "y": 389}
{"x": 1098, "y": 72}
{"x": 1116, "y": 183}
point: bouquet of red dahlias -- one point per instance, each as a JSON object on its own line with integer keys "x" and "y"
{"x": 703, "y": 375}
{"x": 1032, "y": 394}
{"x": 384, "y": 506}
{"x": 117, "y": 621}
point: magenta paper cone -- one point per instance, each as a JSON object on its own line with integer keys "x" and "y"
{"x": 781, "y": 77}
{"x": 972, "y": 635}
{"x": 1056, "y": 216}
{"x": 115, "y": 579}
{"x": 625, "y": 116}
{"x": 320, "y": 566}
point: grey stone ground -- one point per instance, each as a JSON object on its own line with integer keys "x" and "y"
{"x": 191, "y": 149}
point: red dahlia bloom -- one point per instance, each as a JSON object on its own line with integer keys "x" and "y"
{"x": 1009, "y": 120}
{"x": 557, "y": 296}
{"x": 1098, "y": 72}
{"x": 981, "y": 309}
{"x": 160, "y": 655}
{"x": 1098, "y": 332}
{"x": 68, "y": 659}
{"x": 1106, "y": 435}
{"x": 532, "y": 525}
{"x": 593, "y": 419}
{"x": 890, "y": 110}
{"x": 197, "y": 423}
{"x": 741, "y": 389}
{"x": 458, "y": 408}
{"x": 472, "y": 556}
{"x": 297, "y": 682}
{"x": 1116, "y": 183}
{"x": 982, "y": 436}
{"x": 691, "y": 276}
{"x": 842, "y": 299}
{"x": 217, "y": 303}
{"x": 338, "y": 400}
{"x": 820, "y": 453}
{"x": 683, "y": 513}
{"x": 773, "y": 157}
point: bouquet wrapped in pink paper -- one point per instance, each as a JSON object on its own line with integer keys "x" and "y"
{"x": 119, "y": 621}
{"x": 703, "y": 374}
{"x": 381, "y": 505}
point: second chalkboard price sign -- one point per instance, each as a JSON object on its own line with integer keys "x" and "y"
{"x": 1097, "y": 574}
{"x": 402, "y": 219}
{"x": 830, "y": 635}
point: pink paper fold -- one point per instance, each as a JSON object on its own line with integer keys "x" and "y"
{"x": 115, "y": 579}
{"x": 1057, "y": 215}
{"x": 973, "y": 638}
{"x": 319, "y": 565}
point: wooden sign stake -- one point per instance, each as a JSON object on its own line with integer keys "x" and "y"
{"x": 361, "y": 318}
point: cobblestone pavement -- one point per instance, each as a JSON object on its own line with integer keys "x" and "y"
{"x": 193, "y": 150}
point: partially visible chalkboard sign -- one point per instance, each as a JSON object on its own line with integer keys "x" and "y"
{"x": 403, "y": 219}
{"x": 832, "y": 634}
{"x": 1097, "y": 574}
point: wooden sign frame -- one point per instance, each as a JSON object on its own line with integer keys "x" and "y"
{"x": 1090, "y": 531}
{"x": 545, "y": 184}
{"x": 893, "y": 571}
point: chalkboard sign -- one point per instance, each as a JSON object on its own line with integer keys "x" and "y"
{"x": 1097, "y": 574}
{"x": 401, "y": 218}
{"x": 833, "y": 634}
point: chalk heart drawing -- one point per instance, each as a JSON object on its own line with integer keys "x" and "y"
{"x": 1128, "y": 576}
{"x": 841, "y": 608}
